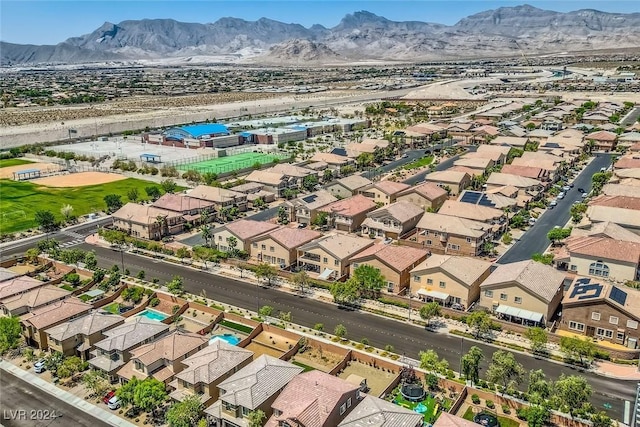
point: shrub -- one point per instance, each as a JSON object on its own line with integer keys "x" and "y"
{"x": 475, "y": 399}
{"x": 154, "y": 302}
{"x": 490, "y": 404}
{"x": 506, "y": 409}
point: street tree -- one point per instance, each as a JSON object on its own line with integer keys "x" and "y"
{"x": 539, "y": 389}
{"x": 285, "y": 316}
{"x": 557, "y": 234}
{"x": 471, "y": 364}
{"x": 301, "y": 281}
{"x": 574, "y": 347}
{"x": 32, "y": 255}
{"x": 538, "y": 339}
{"x": 601, "y": 419}
{"x": 430, "y": 361}
{"x": 480, "y": 323}
{"x": 340, "y": 331}
{"x": 69, "y": 367}
{"x": 185, "y": 413}
{"x": 256, "y": 418}
{"x": 10, "y": 333}
{"x": 183, "y": 253}
{"x": 45, "y": 219}
{"x": 266, "y": 271}
{"x": 149, "y": 394}
{"x": 318, "y": 327}
{"x": 96, "y": 381}
{"x": 369, "y": 279}
{"x": 504, "y": 369}
{"x": 537, "y": 415}
{"x": 265, "y": 311}
{"x": 90, "y": 260}
{"x": 67, "y": 212}
{"x": 571, "y": 392}
{"x": 345, "y": 292}
{"x": 176, "y": 285}
{"x": 429, "y": 311}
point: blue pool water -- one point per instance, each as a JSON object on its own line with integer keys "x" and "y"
{"x": 420, "y": 408}
{"x": 230, "y": 339}
{"x": 153, "y": 315}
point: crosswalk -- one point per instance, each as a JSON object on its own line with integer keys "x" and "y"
{"x": 78, "y": 239}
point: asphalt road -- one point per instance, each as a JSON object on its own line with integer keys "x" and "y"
{"x": 379, "y": 330}
{"x": 23, "y": 404}
{"x": 535, "y": 239}
{"x": 631, "y": 117}
{"x": 446, "y": 164}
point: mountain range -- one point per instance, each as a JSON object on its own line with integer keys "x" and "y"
{"x": 360, "y": 36}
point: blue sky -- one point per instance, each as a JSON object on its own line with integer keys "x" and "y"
{"x": 50, "y": 22}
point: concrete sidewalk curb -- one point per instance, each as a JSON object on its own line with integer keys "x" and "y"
{"x": 67, "y": 397}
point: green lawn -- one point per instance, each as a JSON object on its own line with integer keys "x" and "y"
{"x": 20, "y": 200}
{"x": 113, "y": 308}
{"x": 306, "y": 368}
{"x": 236, "y": 326}
{"x": 425, "y": 161}
{"x": 502, "y": 421}
{"x": 433, "y": 409}
{"x": 231, "y": 163}
{"x": 5, "y": 163}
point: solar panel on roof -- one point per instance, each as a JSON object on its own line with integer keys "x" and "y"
{"x": 310, "y": 198}
{"x": 339, "y": 152}
{"x": 584, "y": 280}
{"x": 485, "y": 201}
{"x": 586, "y": 291}
{"x": 618, "y": 295}
{"x": 471, "y": 197}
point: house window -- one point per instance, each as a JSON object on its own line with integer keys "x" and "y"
{"x": 355, "y": 265}
{"x": 518, "y": 300}
{"x": 443, "y": 285}
{"x": 488, "y": 294}
{"x": 416, "y": 279}
{"x": 139, "y": 365}
{"x": 263, "y": 247}
{"x": 503, "y": 297}
{"x": 349, "y": 403}
{"x": 468, "y": 239}
{"x": 255, "y": 245}
{"x": 595, "y": 316}
{"x": 576, "y": 326}
{"x": 390, "y": 286}
{"x": 428, "y": 242}
{"x": 429, "y": 281}
{"x": 599, "y": 269}
{"x": 620, "y": 336}
{"x": 573, "y": 267}
{"x": 426, "y": 232}
{"x": 272, "y": 249}
{"x": 632, "y": 324}
{"x": 606, "y": 333}
{"x": 343, "y": 408}
{"x": 613, "y": 320}
{"x": 245, "y": 411}
{"x": 325, "y": 260}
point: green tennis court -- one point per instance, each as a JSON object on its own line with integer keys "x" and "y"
{"x": 231, "y": 163}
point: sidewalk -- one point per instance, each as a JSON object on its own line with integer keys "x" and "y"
{"x": 65, "y": 396}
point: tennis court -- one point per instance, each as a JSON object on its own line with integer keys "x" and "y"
{"x": 229, "y": 164}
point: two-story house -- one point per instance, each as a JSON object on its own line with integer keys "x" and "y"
{"x": 602, "y": 310}
{"x": 349, "y": 214}
{"x": 392, "y": 221}
{"x": 304, "y": 209}
{"x": 497, "y": 218}
{"x": 220, "y": 198}
{"x": 348, "y": 186}
{"x": 114, "y": 351}
{"x": 428, "y": 196}
{"x": 330, "y": 255}
{"x": 452, "y": 181}
{"x": 240, "y": 233}
{"x": 449, "y": 279}
{"x": 394, "y": 262}
{"x": 163, "y": 358}
{"x": 273, "y": 182}
{"x": 78, "y": 336}
{"x": 189, "y": 207}
{"x": 256, "y": 386}
{"x": 280, "y": 247}
{"x": 498, "y": 179}
{"x": 147, "y": 222}
{"x": 314, "y": 398}
{"x": 526, "y": 292}
{"x": 373, "y": 411}
{"x": 20, "y": 304}
{"x": 497, "y": 153}
{"x": 452, "y": 235}
{"x": 37, "y": 321}
{"x": 383, "y": 192}
{"x": 206, "y": 369}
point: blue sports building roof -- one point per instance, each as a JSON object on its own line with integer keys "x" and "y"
{"x": 206, "y": 129}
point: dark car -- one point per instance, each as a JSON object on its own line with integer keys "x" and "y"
{"x": 581, "y": 190}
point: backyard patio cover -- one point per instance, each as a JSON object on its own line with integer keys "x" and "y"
{"x": 325, "y": 274}
{"x": 519, "y": 313}
{"x": 433, "y": 294}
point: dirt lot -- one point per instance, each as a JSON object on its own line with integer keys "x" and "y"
{"x": 45, "y": 167}
{"x": 81, "y": 179}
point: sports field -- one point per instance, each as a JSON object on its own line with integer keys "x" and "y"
{"x": 5, "y": 163}
{"x": 21, "y": 199}
{"x": 231, "y": 163}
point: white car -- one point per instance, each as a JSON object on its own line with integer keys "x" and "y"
{"x": 113, "y": 403}
{"x": 532, "y": 221}
{"x": 560, "y": 195}
{"x": 566, "y": 188}
{"x": 553, "y": 203}
{"x": 585, "y": 195}
{"x": 39, "y": 367}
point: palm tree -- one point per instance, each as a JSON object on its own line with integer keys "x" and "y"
{"x": 161, "y": 223}
{"x": 205, "y": 229}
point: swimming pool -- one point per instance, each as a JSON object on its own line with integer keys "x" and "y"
{"x": 228, "y": 338}
{"x": 153, "y": 315}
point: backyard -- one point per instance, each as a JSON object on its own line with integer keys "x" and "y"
{"x": 377, "y": 378}
{"x": 430, "y": 406}
{"x": 317, "y": 359}
{"x": 502, "y": 421}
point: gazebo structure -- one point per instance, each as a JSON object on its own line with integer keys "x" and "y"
{"x": 150, "y": 158}
{"x": 26, "y": 174}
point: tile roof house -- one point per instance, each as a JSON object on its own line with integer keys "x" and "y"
{"x": 629, "y": 161}
{"x": 427, "y": 196}
{"x": 621, "y": 190}
{"x": 526, "y": 171}
{"x": 603, "y": 140}
{"x": 610, "y": 230}
{"x": 449, "y": 279}
{"x": 348, "y": 214}
{"x": 392, "y": 221}
{"x": 394, "y": 262}
{"x": 330, "y": 255}
{"x": 206, "y": 369}
{"x": 497, "y": 153}
{"x": 384, "y": 192}
{"x": 627, "y": 218}
{"x": 446, "y": 419}
{"x": 17, "y": 305}
{"x": 114, "y": 351}
{"x": 274, "y": 182}
{"x": 78, "y": 336}
{"x": 454, "y": 180}
{"x": 185, "y": 205}
{"x": 162, "y": 359}
{"x": 38, "y": 320}
{"x": 243, "y": 230}
{"x": 314, "y": 398}
{"x": 348, "y": 186}
{"x": 603, "y": 311}
{"x": 445, "y": 234}
{"x": 474, "y": 212}
{"x": 495, "y": 200}
{"x": 280, "y": 247}
{"x": 623, "y": 202}
{"x": 511, "y": 288}
{"x": 510, "y": 141}
{"x": 6, "y": 274}
{"x": 375, "y": 412}
{"x": 147, "y": 222}
{"x": 333, "y": 160}
{"x": 220, "y": 197}
{"x": 305, "y": 208}
{"x": 603, "y": 257}
{"x": 497, "y": 179}
{"x": 256, "y": 386}
{"x": 479, "y": 164}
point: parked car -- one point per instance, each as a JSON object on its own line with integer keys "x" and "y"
{"x": 571, "y": 185}
{"x": 457, "y": 306}
{"x": 566, "y": 188}
{"x": 405, "y": 155}
{"x": 107, "y": 397}
{"x": 585, "y": 195}
{"x": 560, "y": 195}
{"x": 532, "y": 221}
{"x": 553, "y": 203}
{"x": 113, "y": 403}
{"x": 39, "y": 367}
{"x": 302, "y": 225}
{"x": 581, "y": 190}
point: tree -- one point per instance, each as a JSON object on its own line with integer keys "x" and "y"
{"x": 266, "y": 271}
{"x": 133, "y": 194}
{"x": 185, "y": 413}
{"x": 601, "y": 419}
{"x": 176, "y": 285}
{"x": 546, "y": 259}
{"x": 345, "y": 292}
{"x": 126, "y": 392}
{"x": 556, "y": 234}
{"x": 255, "y": 418}
{"x": 45, "y": 219}
{"x": 209, "y": 177}
{"x": 517, "y": 221}
{"x": 67, "y": 212}
{"x": 96, "y": 381}
{"x": 340, "y": 331}
{"x": 232, "y": 242}
{"x": 10, "y": 333}
{"x": 90, "y": 260}
{"x": 153, "y": 192}
{"x": 539, "y": 389}
{"x": 149, "y": 394}
{"x": 479, "y": 322}
{"x": 69, "y": 367}
{"x": 575, "y": 347}
{"x": 537, "y": 415}
{"x": 265, "y": 311}
{"x": 598, "y": 180}
{"x": 309, "y": 182}
{"x": 288, "y": 193}
{"x": 364, "y": 159}
{"x": 205, "y": 231}
{"x": 133, "y": 294}
{"x": 169, "y": 185}
{"x": 162, "y": 225}
{"x": 319, "y": 327}
{"x": 327, "y": 175}
{"x": 183, "y": 253}
{"x": 32, "y": 255}
{"x": 300, "y": 281}
{"x": 471, "y": 364}
{"x": 538, "y": 339}
{"x": 283, "y": 215}
{"x": 504, "y": 369}
{"x": 429, "y": 311}
{"x": 321, "y": 219}
{"x": 430, "y": 361}
{"x": 571, "y": 392}
{"x": 53, "y": 361}
{"x": 369, "y": 279}
{"x": 192, "y": 177}
{"x": 285, "y": 317}
{"x": 113, "y": 202}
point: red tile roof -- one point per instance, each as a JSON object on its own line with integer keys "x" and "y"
{"x": 397, "y": 257}
{"x": 350, "y": 206}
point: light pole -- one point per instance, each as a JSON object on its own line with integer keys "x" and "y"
{"x": 461, "y": 354}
